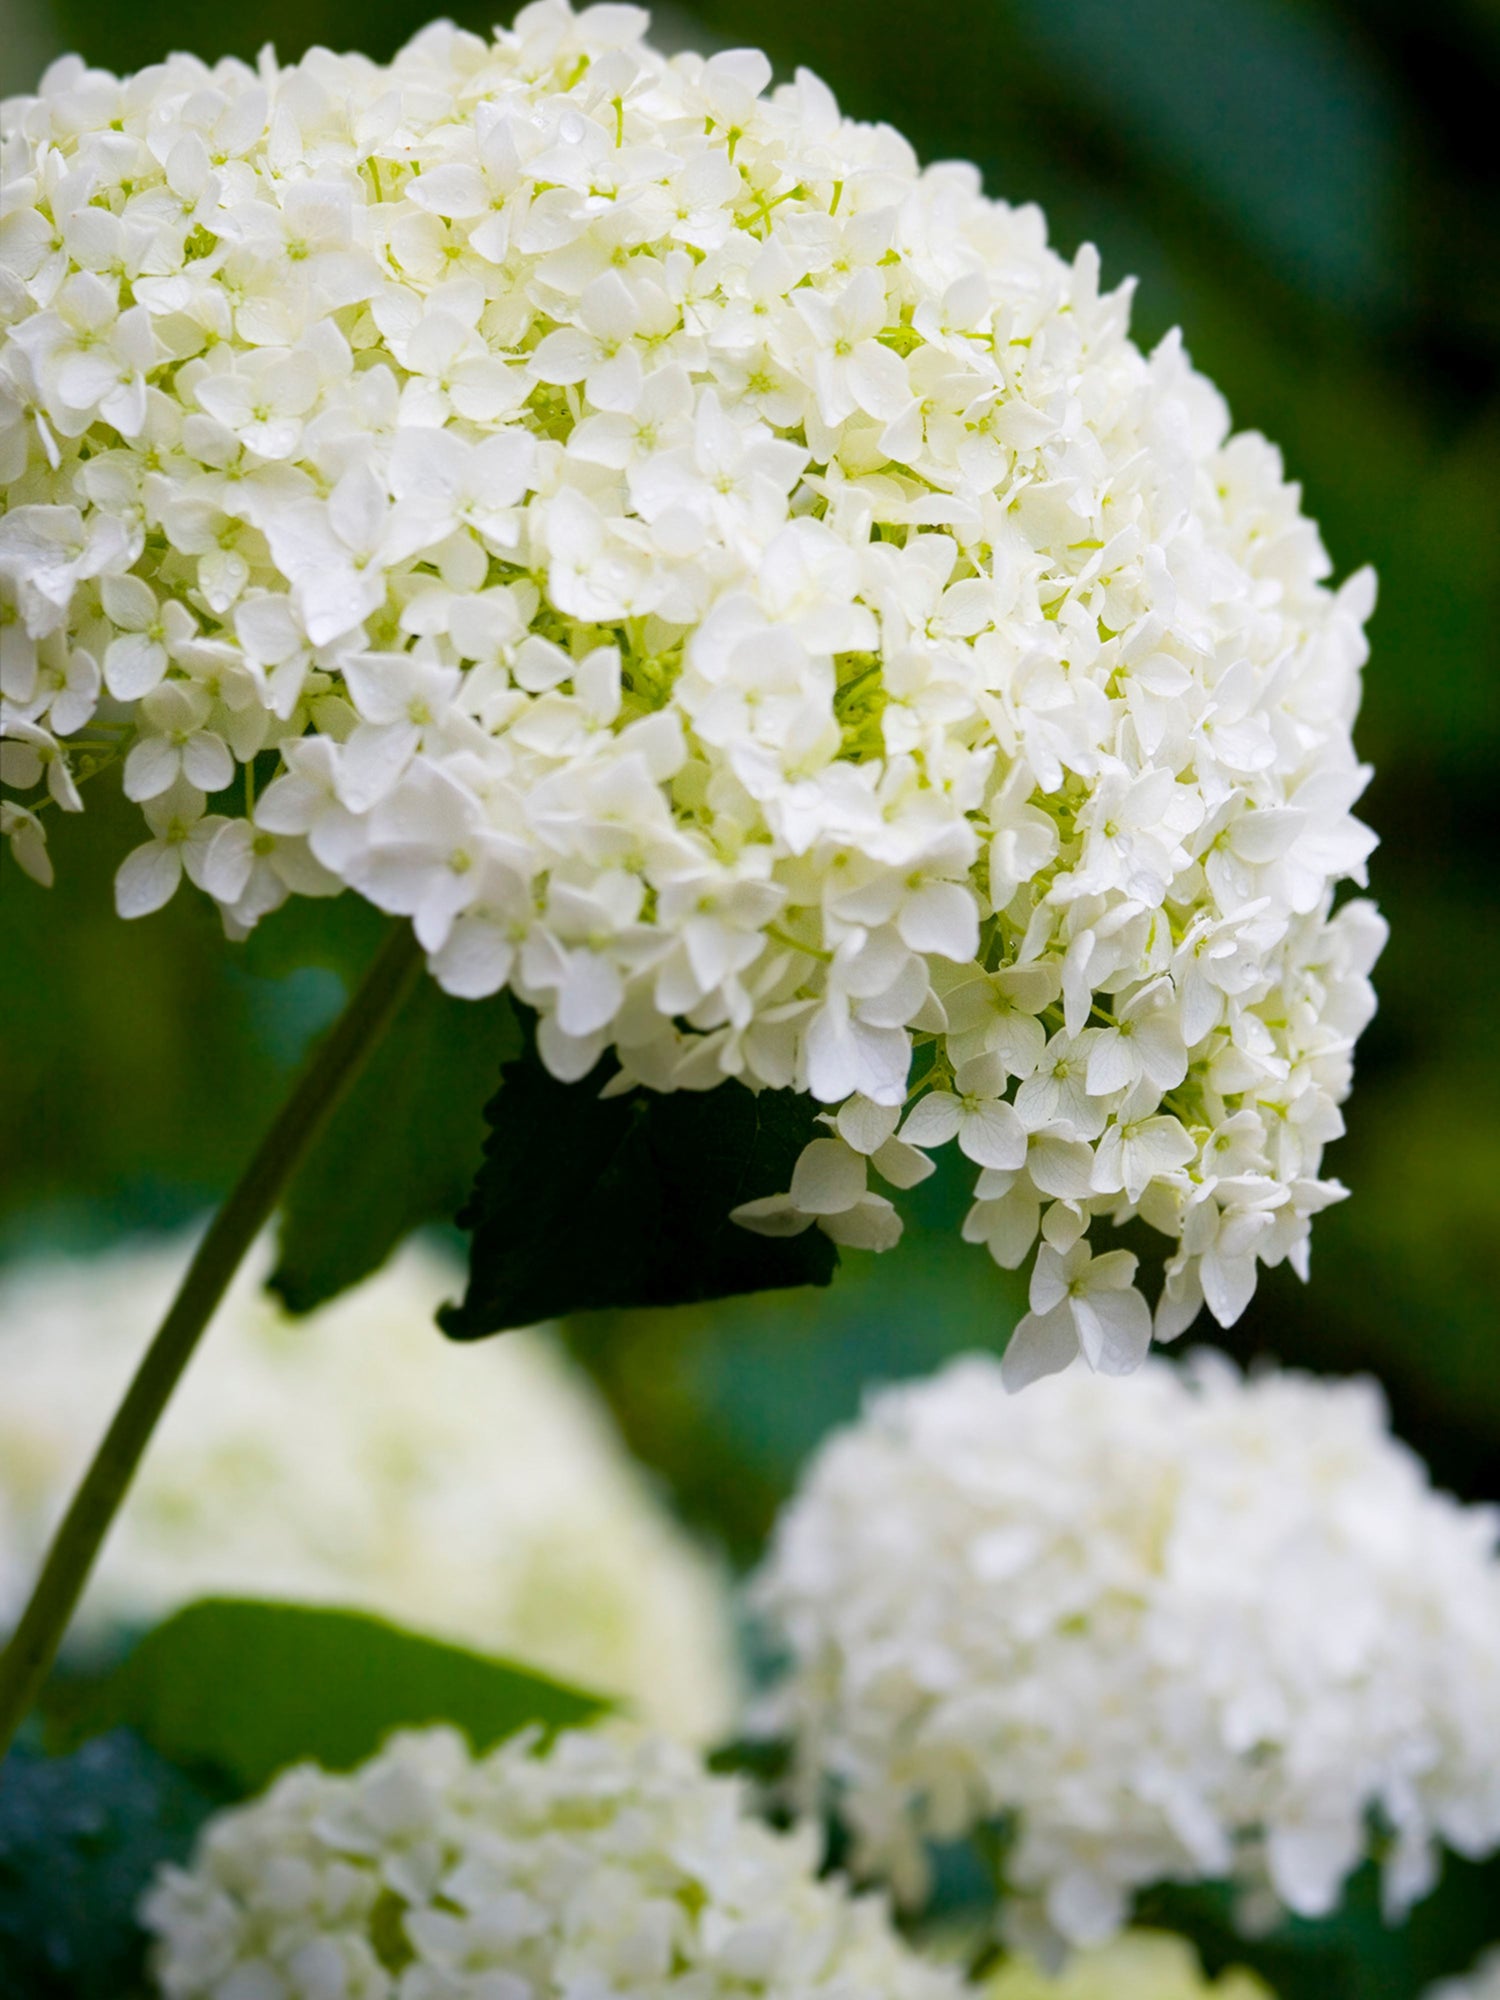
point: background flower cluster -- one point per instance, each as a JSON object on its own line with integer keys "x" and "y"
{"x": 1191, "y": 1627}
{"x": 1194, "y": 1629}
{"x": 483, "y": 1496}
{"x": 601, "y": 1864}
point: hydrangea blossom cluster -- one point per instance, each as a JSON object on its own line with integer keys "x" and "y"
{"x": 605, "y": 1864}
{"x": 1192, "y": 1626}
{"x": 745, "y": 593}
{"x": 481, "y": 1493}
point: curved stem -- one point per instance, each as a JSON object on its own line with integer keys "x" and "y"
{"x": 330, "y": 1070}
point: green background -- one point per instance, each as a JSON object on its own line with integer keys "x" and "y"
{"x": 1306, "y": 188}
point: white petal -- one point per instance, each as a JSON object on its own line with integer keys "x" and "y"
{"x": 475, "y": 962}
{"x": 133, "y": 665}
{"x": 872, "y": 1224}
{"x": 230, "y": 858}
{"x": 772, "y": 1215}
{"x": 568, "y": 1057}
{"x": 829, "y": 1177}
{"x": 150, "y": 768}
{"x": 1114, "y": 1331}
{"x": 1006, "y": 1227}
{"x": 267, "y": 628}
{"x": 933, "y": 1120}
{"x": 428, "y": 466}
{"x": 1112, "y": 1272}
{"x": 993, "y": 1136}
{"x": 1308, "y": 1863}
{"x": 590, "y": 995}
{"x": 564, "y": 356}
{"x": 1178, "y": 1306}
{"x": 1228, "y": 1285}
{"x": 1112, "y": 1063}
{"x": 302, "y": 872}
{"x": 848, "y": 1058}
{"x": 1063, "y": 1224}
{"x": 357, "y": 509}
{"x": 206, "y": 761}
{"x": 878, "y": 381}
{"x": 487, "y": 388}
{"x": 1043, "y": 1344}
{"x": 902, "y": 1165}
{"x": 1161, "y": 1050}
{"x": 503, "y": 466}
{"x": 616, "y": 384}
{"x": 128, "y": 601}
{"x": 866, "y": 1126}
{"x": 453, "y": 190}
{"x": 291, "y": 803}
{"x": 1050, "y": 1279}
{"x": 333, "y": 601}
{"x": 373, "y": 760}
{"x": 1260, "y": 837}
{"x": 1060, "y": 1166}
{"x": 147, "y": 878}
{"x": 942, "y": 918}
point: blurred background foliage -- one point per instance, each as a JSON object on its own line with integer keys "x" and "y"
{"x": 1305, "y": 186}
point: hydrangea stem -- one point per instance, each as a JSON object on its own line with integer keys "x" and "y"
{"x": 330, "y": 1070}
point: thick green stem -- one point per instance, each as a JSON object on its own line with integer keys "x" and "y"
{"x": 330, "y": 1070}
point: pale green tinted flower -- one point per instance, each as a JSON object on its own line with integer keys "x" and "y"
{"x": 352, "y": 1457}
{"x": 605, "y": 1864}
{"x": 1140, "y": 1965}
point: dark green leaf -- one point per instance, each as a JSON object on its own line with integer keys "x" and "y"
{"x": 402, "y": 1148}
{"x": 586, "y": 1202}
{"x": 80, "y": 1837}
{"x": 766, "y": 1760}
{"x": 241, "y": 1689}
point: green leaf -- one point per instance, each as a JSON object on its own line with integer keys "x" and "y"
{"x": 80, "y": 1838}
{"x": 242, "y": 1689}
{"x": 586, "y": 1202}
{"x": 401, "y": 1150}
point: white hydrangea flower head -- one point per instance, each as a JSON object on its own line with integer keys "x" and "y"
{"x": 607, "y": 1863}
{"x": 1137, "y": 1965}
{"x": 351, "y": 1457}
{"x": 1483, "y": 1983}
{"x": 1190, "y": 1627}
{"x": 740, "y": 590}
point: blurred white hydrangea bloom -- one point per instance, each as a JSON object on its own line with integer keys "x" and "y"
{"x": 1192, "y": 1626}
{"x": 1138, "y": 1965}
{"x": 740, "y": 590}
{"x": 1483, "y": 1983}
{"x": 606, "y": 1864}
{"x": 355, "y": 1457}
